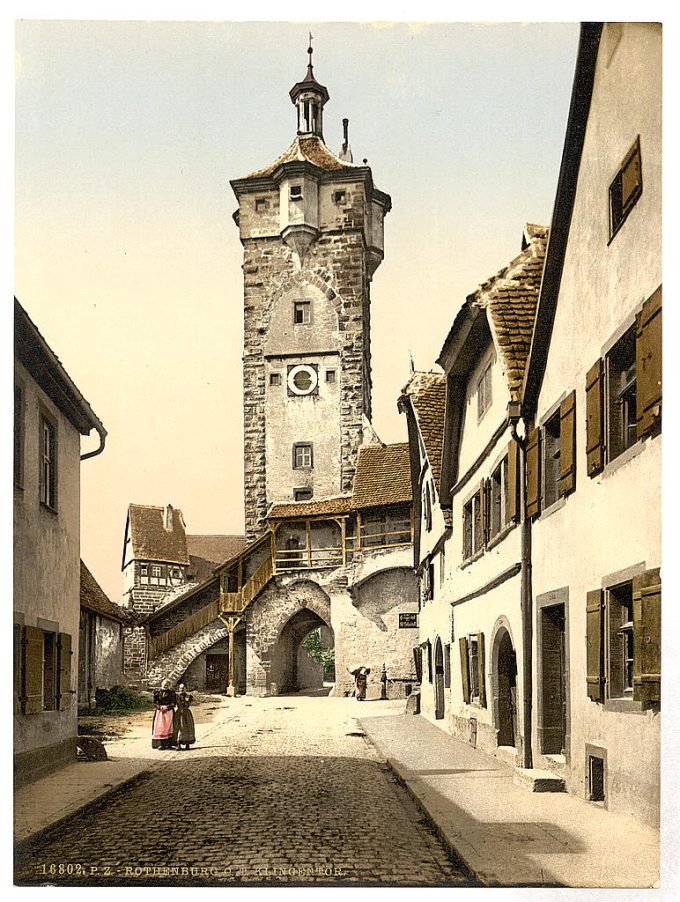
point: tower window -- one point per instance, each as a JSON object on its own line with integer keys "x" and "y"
{"x": 302, "y": 312}
{"x": 275, "y": 378}
{"x": 296, "y": 192}
{"x": 330, "y": 375}
{"x": 339, "y": 197}
{"x": 261, "y": 204}
{"x": 302, "y": 456}
{"x": 302, "y": 494}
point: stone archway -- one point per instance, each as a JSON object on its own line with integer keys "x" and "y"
{"x": 438, "y": 680}
{"x": 288, "y": 671}
{"x": 504, "y": 681}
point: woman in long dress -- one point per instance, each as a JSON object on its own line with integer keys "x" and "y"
{"x": 185, "y": 729}
{"x": 162, "y": 731}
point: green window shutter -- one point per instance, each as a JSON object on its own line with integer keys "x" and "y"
{"x": 647, "y": 636}
{"x": 594, "y": 644}
{"x": 568, "y": 444}
{"x": 595, "y": 418}
{"x": 33, "y": 643}
{"x": 464, "y": 668}
{"x": 513, "y": 482}
{"x": 64, "y": 693}
{"x": 648, "y": 366}
{"x": 481, "y": 669}
{"x": 533, "y": 472}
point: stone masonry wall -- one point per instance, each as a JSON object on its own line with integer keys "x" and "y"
{"x": 336, "y": 265}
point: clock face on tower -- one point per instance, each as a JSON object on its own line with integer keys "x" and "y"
{"x": 302, "y": 379}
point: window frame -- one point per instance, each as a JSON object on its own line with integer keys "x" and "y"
{"x": 624, "y": 657}
{"x": 616, "y": 184}
{"x": 47, "y": 463}
{"x": 300, "y": 448}
{"x": 331, "y": 377}
{"x": 551, "y": 450}
{"x": 304, "y": 307}
{"x": 295, "y": 192}
{"x": 275, "y": 379}
{"x": 627, "y": 425}
{"x": 306, "y": 490}
{"x": 484, "y": 390}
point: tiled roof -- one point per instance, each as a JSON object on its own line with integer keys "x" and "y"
{"x": 93, "y": 597}
{"x": 151, "y": 541}
{"x": 383, "y": 476}
{"x": 310, "y": 150}
{"x": 216, "y": 549}
{"x": 427, "y": 392}
{"x": 341, "y": 504}
{"x": 510, "y": 298}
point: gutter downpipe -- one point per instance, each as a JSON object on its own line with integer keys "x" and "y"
{"x": 102, "y": 441}
{"x": 526, "y": 603}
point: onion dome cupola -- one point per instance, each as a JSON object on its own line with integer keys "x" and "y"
{"x": 309, "y": 98}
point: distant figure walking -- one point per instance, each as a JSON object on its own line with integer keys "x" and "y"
{"x": 360, "y": 675}
{"x": 162, "y": 730}
{"x": 185, "y": 730}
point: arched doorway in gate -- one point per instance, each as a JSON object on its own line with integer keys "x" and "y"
{"x": 299, "y": 663}
{"x": 505, "y": 688}
{"x": 438, "y": 679}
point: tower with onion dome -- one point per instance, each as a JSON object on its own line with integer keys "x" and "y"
{"x": 311, "y": 225}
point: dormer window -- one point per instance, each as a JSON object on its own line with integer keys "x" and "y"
{"x": 296, "y": 192}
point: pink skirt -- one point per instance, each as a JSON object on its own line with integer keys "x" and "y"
{"x": 162, "y": 723}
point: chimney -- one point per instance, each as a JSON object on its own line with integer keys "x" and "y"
{"x": 346, "y": 152}
{"x": 168, "y": 517}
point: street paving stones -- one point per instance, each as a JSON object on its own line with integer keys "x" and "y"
{"x": 278, "y": 791}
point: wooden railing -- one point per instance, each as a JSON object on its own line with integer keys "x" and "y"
{"x": 181, "y": 631}
{"x": 235, "y": 602}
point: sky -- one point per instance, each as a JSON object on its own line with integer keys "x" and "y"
{"x": 127, "y": 258}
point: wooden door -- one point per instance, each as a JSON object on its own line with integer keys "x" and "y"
{"x": 216, "y": 672}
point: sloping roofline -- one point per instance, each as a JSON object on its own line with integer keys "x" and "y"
{"x": 563, "y": 209}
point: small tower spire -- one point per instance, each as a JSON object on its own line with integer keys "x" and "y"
{"x": 309, "y": 97}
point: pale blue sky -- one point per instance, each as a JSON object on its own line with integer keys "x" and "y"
{"x": 127, "y": 135}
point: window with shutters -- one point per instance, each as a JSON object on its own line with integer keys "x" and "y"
{"x": 48, "y": 462}
{"x": 625, "y": 189}
{"x": 620, "y": 649}
{"x": 498, "y": 499}
{"x": 473, "y": 526}
{"x": 427, "y": 506}
{"x": 623, "y": 640}
{"x": 621, "y": 396}
{"x": 551, "y": 461}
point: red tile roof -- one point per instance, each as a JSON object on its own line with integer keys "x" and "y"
{"x": 383, "y": 476}
{"x": 93, "y": 597}
{"x": 207, "y": 552}
{"x": 151, "y": 541}
{"x": 427, "y": 392}
{"x": 341, "y": 504}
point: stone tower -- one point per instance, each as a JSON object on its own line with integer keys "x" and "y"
{"x": 311, "y": 225}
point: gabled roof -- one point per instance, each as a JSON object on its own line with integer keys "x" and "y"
{"x": 93, "y": 597}
{"x": 427, "y": 392}
{"x": 383, "y": 476}
{"x": 311, "y": 149}
{"x": 577, "y": 122}
{"x": 149, "y": 538}
{"x": 215, "y": 549}
{"x": 508, "y": 302}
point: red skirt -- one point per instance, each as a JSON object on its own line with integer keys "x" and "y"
{"x": 162, "y": 723}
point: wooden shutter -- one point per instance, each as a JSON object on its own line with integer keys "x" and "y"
{"x": 512, "y": 513}
{"x": 594, "y": 644}
{"x": 429, "y": 661}
{"x": 18, "y": 667}
{"x": 481, "y": 669}
{"x": 33, "y": 670}
{"x": 533, "y": 473}
{"x": 647, "y": 636}
{"x": 595, "y": 418}
{"x": 568, "y": 444}
{"x": 464, "y": 669}
{"x": 483, "y": 511}
{"x": 418, "y": 661}
{"x": 64, "y": 694}
{"x": 648, "y": 366}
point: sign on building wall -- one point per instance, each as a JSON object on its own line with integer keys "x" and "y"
{"x": 408, "y": 621}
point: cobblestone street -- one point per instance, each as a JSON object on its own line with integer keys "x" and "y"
{"x": 281, "y": 790}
